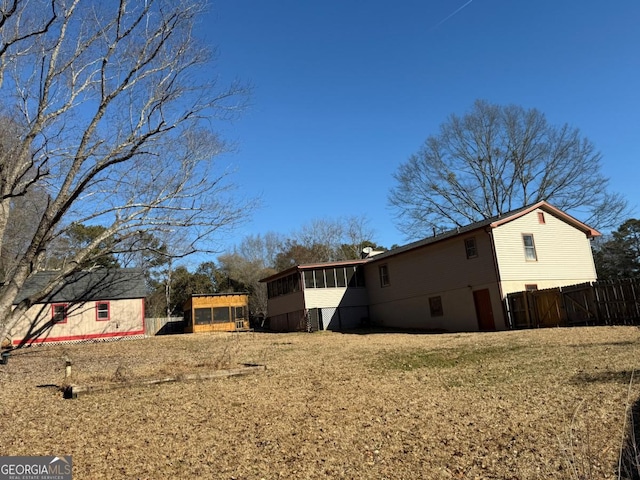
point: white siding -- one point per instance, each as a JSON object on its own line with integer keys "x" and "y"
{"x": 334, "y": 297}
{"x": 563, "y": 253}
{"x": 342, "y": 308}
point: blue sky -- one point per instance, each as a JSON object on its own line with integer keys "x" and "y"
{"x": 345, "y": 91}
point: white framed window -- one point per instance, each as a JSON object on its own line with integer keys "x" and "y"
{"x": 471, "y": 247}
{"x": 384, "y": 276}
{"x": 103, "y": 311}
{"x": 529, "y": 247}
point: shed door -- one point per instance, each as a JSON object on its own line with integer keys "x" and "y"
{"x": 484, "y": 312}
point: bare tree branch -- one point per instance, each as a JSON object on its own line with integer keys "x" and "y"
{"x": 112, "y": 116}
{"x": 495, "y": 159}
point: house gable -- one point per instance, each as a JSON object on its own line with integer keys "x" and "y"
{"x": 558, "y": 251}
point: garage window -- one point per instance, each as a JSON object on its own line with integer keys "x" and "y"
{"x": 102, "y": 311}
{"x": 59, "y": 313}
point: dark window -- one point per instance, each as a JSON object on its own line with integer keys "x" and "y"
{"x": 384, "y": 275}
{"x": 239, "y": 312}
{"x": 351, "y": 276}
{"x": 203, "y": 316}
{"x": 341, "y": 279}
{"x": 359, "y": 277}
{"x": 288, "y": 284}
{"x": 221, "y": 315}
{"x": 102, "y": 311}
{"x": 529, "y": 247}
{"x": 308, "y": 279}
{"x": 59, "y": 313}
{"x": 435, "y": 306}
{"x": 330, "y": 275}
{"x": 319, "y": 275}
{"x": 470, "y": 247}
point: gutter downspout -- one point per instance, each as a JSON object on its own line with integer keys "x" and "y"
{"x": 505, "y": 310}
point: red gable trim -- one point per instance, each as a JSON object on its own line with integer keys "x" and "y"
{"x": 69, "y": 338}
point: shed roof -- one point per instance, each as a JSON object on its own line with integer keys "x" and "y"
{"x": 104, "y": 284}
{"x": 488, "y": 223}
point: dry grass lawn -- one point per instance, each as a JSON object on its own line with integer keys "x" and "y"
{"x": 541, "y": 404}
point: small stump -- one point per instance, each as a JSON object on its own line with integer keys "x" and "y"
{"x": 4, "y": 358}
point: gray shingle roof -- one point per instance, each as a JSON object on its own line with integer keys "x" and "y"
{"x": 486, "y": 223}
{"x": 115, "y": 284}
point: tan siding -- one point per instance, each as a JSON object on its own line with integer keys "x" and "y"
{"x": 441, "y": 269}
{"x": 458, "y": 311}
{"x": 125, "y": 316}
{"x": 286, "y": 303}
{"x": 563, "y": 252}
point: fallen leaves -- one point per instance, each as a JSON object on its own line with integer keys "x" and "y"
{"x": 470, "y": 406}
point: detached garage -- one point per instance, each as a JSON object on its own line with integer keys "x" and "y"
{"x": 89, "y": 305}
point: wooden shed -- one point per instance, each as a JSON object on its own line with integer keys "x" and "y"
{"x": 217, "y": 312}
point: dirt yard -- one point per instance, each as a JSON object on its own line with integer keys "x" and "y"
{"x": 542, "y": 404}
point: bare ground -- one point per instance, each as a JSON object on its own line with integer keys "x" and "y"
{"x": 543, "y": 404}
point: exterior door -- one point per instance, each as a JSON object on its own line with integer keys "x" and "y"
{"x": 484, "y": 312}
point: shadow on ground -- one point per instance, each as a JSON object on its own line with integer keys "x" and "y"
{"x": 629, "y": 468}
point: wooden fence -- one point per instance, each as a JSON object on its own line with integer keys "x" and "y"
{"x": 596, "y": 303}
{"x": 163, "y": 326}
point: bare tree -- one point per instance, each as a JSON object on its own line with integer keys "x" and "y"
{"x": 495, "y": 159}
{"x": 261, "y": 249}
{"x": 240, "y": 273}
{"x": 254, "y": 258}
{"x": 357, "y": 235}
{"x": 116, "y": 111}
{"x": 334, "y": 239}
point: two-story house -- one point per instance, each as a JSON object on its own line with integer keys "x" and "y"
{"x": 454, "y": 281}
